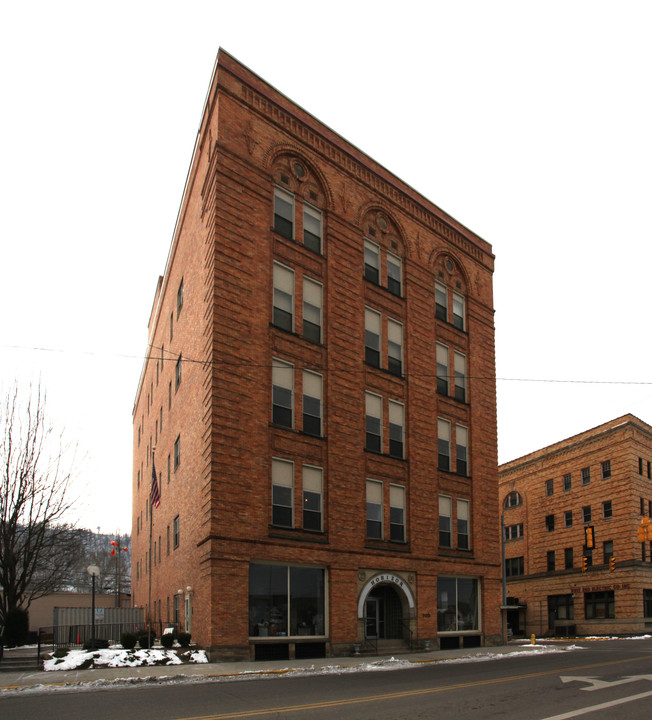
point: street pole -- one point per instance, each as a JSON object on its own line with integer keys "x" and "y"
{"x": 93, "y": 571}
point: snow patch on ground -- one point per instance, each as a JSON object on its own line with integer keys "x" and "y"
{"x": 113, "y": 657}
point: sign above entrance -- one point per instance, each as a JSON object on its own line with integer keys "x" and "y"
{"x": 384, "y": 579}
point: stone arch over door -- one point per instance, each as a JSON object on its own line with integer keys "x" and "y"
{"x": 396, "y": 581}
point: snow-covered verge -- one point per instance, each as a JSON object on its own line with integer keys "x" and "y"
{"x": 117, "y": 657}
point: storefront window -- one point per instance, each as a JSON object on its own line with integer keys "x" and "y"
{"x": 457, "y": 604}
{"x": 285, "y": 600}
{"x": 599, "y": 605}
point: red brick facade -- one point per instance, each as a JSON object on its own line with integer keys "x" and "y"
{"x": 268, "y": 284}
{"x": 600, "y": 480}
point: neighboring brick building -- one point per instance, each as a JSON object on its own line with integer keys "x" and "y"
{"x": 597, "y": 483}
{"x": 304, "y": 443}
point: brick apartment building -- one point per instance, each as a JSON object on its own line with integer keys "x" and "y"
{"x": 318, "y": 400}
{"x": 594, "y": 488}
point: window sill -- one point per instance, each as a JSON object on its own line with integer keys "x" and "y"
{"x": 298, "y": 243}
{"x": 385, "y": 545}
{"x": 385, "y": 370}
{"x": 383, "y": 287}
{"x": 385, "y": 455}
{"x": 298, "y": 534}
{"x": 451, "y": 325}
{"x": 297, "y": 335}
{"x": 297, "y": 432}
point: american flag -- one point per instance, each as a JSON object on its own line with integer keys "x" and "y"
{"x": 154, "y": 494}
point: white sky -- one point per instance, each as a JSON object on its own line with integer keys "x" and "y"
{"x": 529, "y": 122}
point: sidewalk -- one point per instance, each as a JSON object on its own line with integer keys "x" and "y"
{"x": 234, "y": 670}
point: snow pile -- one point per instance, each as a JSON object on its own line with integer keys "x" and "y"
{"x": 113, "y": 657}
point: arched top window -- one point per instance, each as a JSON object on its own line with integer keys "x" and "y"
{"x": 514, "y": 499}
{"x": 299, "y": 202}
{"x": 450, "y": 291}
{"x": 383, "y": 251}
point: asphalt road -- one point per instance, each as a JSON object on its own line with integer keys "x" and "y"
{"x": 607, "y": 679}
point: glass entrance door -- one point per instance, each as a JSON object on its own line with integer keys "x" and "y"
{"x": 374, "y": 621}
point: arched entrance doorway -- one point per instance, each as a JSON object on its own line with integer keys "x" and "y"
{"x": 383, "y": 614}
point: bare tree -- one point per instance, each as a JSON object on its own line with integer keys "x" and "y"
{"x": 37, "y": 547}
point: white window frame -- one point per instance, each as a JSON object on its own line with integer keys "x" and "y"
{"x": 375, "y": 499}
{"x": 313, "y": 300}
{"x": 397, "y": 512}
{"x": 459, "y": 318}
{"x": 462, "y": 449}
{"x": 396, "y": 416}
{"x": 446, "y": 514}
{"x": 283, "y": 280}
{"x": 371, "y": 251}
{"x": 443, "y": 440}
{"x": 283, "y": 480}
{"x": 288, "y": 197}
{"x": 373, "y": 333}
{"x": 312, "y": 488}
{"x": 313, "y": 389}
{"x": 463, "y": 531}
{"x": 443, "y": 368}
{"x": 441, "y": 290}
{"x": 459, "y": 360}
{"x": 374, "y": 411}
{"x": 316, "y": 215}
{"x": 395, "y": 262}
{"x": 395, "y": 347}
{"x": 282, "y": 379}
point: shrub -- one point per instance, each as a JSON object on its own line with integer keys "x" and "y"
{"x": 60, "y": 652}
{"x": 96, "y": 644}
{"x": 167, "y": 640}
{"x": 16, "y": 627}
{"x": 144, "y": 639}
{"x": 183, "y": 638}
{"x": 128, "y": 640}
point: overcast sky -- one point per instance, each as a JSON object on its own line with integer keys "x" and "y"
{"x": 529, "y": 122}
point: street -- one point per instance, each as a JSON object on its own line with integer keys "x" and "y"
{"x": 603, "y": 679}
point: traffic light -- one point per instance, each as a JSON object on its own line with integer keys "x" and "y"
{"x": 584, "y": 563}
{"x": 612, "y": 563}
{"x": 640, "y": 533}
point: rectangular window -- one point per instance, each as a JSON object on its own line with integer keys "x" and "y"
{"x": 568, "y": 558}
{"x": 372, "y": 262}
{"x": 312, "y": 403}
{"x": 312, "y": 310}
{"x": 169, "y": 395}
{"x": 442, "y": 369}
{"x": 445, "y": 521}
{"x": 374, "y": 509}
{"x": 177, "y": 374}
{"x": 607, "y": 551}
{"x": 550, "y": 561}
{"x": 550, "y": 523}
{"x": 458, "y": 311}
{"x": 171, "y": 326}
{"x": 312, "y": 229}
{"x": 374, "y": 422}
{"x": 441, "y": 301}
{"x": 462, "y": 449}
{"x": 175, "y": 609}
{"x": 606, "y": 509}
{"x": 443, "y": 445}
{"x": 567, "y": 482}
{"x": 286, "y": 601}
{"x": 167, "y": 537}
{"x": 394, "y": 347}
{"x": 180, "y": 297}
{"x": 282, "y": 492}
{"x": 283, "y": 297}
{"x": 647, "y": 603}
{"x": 284, "y": 213}
{"x": 513, "y": 532}
{"x": 175, "y": 532}
{"x": 640, "y": 466}
{"x": 599, "y": 605}
{"x": 460, "y": 377}
{"x": 394, "y": 275}
{"x": 514, "y": 567}
{"x": 586, "y": 476}
{"x": 312, "y": 498}
{"x": 372, "y": 337}
{"x": 282, "y": 393}
{"x": 397, "y": 513}
{"x": 606, "y": 469}
{"x": 168, "y": 468}
{"x": 568, "y": 518}
{"x": 560, "y": 607}
{"x": 177, "y": 452}
{"x": 550, "y": 487}
{"x": 586, "y": 514}
{"x": 463, "y": 524}
{"x": 649, "y": 469}
{"x": 396, "y": 425}
{"x": 458, "y": 605}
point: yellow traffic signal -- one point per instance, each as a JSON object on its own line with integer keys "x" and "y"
{"x": 640, "y": 533}
{"x": 649, "y": 532}
{"x": 584, "y": 564}
{"x": 589, "y": 537}
{"x": 612, "y": 563}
